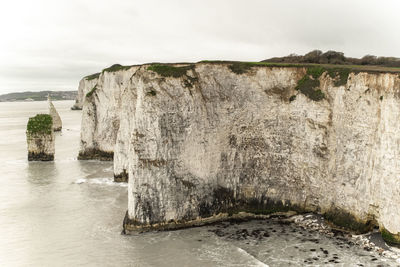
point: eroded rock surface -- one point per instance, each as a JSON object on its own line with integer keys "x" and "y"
{"x": 57, "y": 123}
{"x": 101, "y": 115}
{"x": 85, "y": 85}
{"x": 205, "y": 140}
{"x": 40, "y": 138}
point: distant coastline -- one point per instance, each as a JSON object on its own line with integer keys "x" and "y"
{"x": 38, "y": 96}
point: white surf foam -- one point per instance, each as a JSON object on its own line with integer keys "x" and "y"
{"x": 100, "y": 181}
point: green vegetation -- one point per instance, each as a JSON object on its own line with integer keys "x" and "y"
{"x": 292, "y": 98}
{"x": 310, "y": 82}
{"x": 315, "y": 71}
{"x": 334, "y": 67}
{"x": 248, "y": 64}
{"x": 337, "y": 58}
{"x": 170, "y": 71}
{"x": 348, "y": 221}
{"x": 116, "y": 67}
{"x": 241, "y": 67}
{"x": 307, "y": 87}
{"x": 90, "y": 93}
{"x": 381, "y": 98}
{"x": 390, "y": 238}
{"x": 40, "y": 124}
{"x": 340, "y": 75}
{"x": 93, "y": 76}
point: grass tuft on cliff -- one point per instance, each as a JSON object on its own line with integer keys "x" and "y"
{"x": 170, "y": 71}
{"x": 340, "y": 75}
{"x": 116, "y": 67}
{"x": 390, "y": 238}
{"x": 308, "y": 87}
{"x": 315, "y": 71}
{"x": 241, "y": 67}
{"x": 92, "y": 76}
{"x": 309, "y": 84}
{"x": 40, "y": 124}
{"x": 90, "y": 93}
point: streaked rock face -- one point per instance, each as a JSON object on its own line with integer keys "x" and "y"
{"x": 211, "y": 143}
{"x": 101, "y": 115}
{"x": 41, "y": 147}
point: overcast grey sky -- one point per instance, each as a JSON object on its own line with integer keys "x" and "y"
{"x": 52, "y": 44}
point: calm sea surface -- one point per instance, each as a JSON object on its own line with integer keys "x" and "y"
{"x": 69, "y": 213}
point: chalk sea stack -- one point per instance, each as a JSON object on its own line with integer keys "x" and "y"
{"x": 57, "y": 123}
{"x": 40, "y": 138}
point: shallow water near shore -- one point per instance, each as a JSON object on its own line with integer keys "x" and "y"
{"x": 70, "y": 212}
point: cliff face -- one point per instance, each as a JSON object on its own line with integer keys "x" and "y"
{"x": 207, "y": 140}
{"x": 100, "y": 115}
{"x": 57, "y": 123}
{"x": 127, "y": 119}
{"x": 85, "y": 85}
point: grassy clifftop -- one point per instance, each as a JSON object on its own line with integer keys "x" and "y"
{"x": 40, "y": 124}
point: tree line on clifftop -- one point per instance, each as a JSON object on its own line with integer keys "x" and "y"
{"x": 334, "y": 57}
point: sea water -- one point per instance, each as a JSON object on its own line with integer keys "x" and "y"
{"x": 70, "y": 213}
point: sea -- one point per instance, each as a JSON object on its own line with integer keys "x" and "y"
{"x": 70, "y": 213}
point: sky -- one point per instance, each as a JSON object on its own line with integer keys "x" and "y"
{"x": 52, "y": 44}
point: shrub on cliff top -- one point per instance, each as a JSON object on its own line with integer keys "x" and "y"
{"x": 241, "y": 67}
{"x": 170, "y": 71}
{"x": 40, "y": 124}
{"x": 116, "y": 67}
{"x": 93, "y": 76}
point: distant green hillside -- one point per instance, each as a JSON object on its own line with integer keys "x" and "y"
{"x": 38, "y": 96}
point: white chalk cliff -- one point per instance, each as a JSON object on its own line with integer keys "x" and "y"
{"x": 204, "y": 141}
{"x": 57, "y": 123}
{"x": 100, "y": 115}
{"x": 85, "y": 85}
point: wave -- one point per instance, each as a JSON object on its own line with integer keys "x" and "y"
{"x": 100, "y": 181}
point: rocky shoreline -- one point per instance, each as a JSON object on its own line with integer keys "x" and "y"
{"x": 311, "y": 229}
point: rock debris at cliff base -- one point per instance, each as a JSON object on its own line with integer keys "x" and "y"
{"x": 302, "y": 240}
